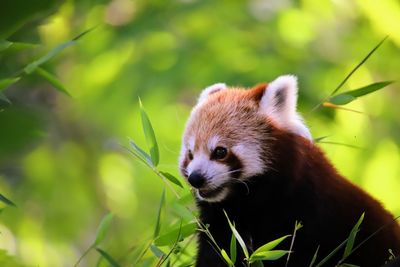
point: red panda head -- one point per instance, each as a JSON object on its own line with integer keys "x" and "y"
{"x": 227, "y": 135}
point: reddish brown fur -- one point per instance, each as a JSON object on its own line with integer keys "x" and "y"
{"x": 298, "y": 184}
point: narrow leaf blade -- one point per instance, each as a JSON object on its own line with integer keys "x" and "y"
{"x": 352, "y": 237}
{"x": 7, "y": 201}
{"x": 108, "y": 258}
{"x": 238, "y": 237}
{"x": 160, "y": 208}
{"x": 170, "y": 237}
{"x": 103, "y": 228}
{"x": 4, "y": 83}
{"x": 270, "y": 245}
{"x": 52, "y": 79}
{"x": 141, "y": 153}
{"x": 226, "y": 258}
{"x": 270, "y": 255}
{"x": 233, "y": 248}
{"x": 149, "y": 135}
{"x": 172, "y": 178}
{"x": 314, "y": 258}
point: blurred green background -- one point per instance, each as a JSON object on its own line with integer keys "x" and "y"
{"x": 62, "y": 159}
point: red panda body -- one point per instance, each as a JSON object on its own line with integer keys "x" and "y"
{"x": 266, "y": 173}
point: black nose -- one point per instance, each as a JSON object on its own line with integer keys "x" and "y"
{"x": 196, "y": 179}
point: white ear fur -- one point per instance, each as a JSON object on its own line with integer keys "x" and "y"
{"x": 210, "y": 90}
{"x": 279, "y": 103}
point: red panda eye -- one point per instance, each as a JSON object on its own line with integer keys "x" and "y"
{"x": 219, "y": 153}
{"x": 190, "y": 155}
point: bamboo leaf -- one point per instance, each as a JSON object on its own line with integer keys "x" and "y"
{"x": 7, "y": 201}
{"x": 170, "y": 237}
{"x": 160, "y": 207}
{"x": 270, "y": 255}
{"x": 330, "y": 255}
{"x": 349, "y": 96}
{"x": 358, "y": 65}
{"x": 270, "y": 245}
{"x": 140, "y": 153}
{"x": 108, "y": 258}
{"x": 226, "y": 258}
{"x": 4, "y": 83}
{"x": 52, "y": 79}
{"x": 53, "y": 52}
{"x": 314, "y": 258}
{"x": 103, "y": 229}
{"x": 232, "y": 249}
{"x": 149, "y": 135}
{"x": 172, "y": 178}
{"x": 352, "y": 237}
{"x": 238, "y": 237}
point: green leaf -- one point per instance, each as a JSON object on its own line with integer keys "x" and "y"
{"x": 232, "y": 249}
{"x": 4, "y": 83}
{"x": 314, "y": 258}
{"x": 172, "y": 178}
{"x": 330, "y": 255}
{"x": 53, "y": 52}
{"x": 270, "y": 255}
{"x": 349, "y": 96}
{"x": 108, "y": 258}
{"x": 352, "y": 237}
{"x": 7, "y": 201}
{"x": 156, "y": 251}
{"x": 4, "y": 44}
{"x": 149, "y": 135}
{"x": 160, "y": 207}
{"x": 226, "y": 258}
{"x": 140, "y": 153}
{"x": 103, "y": 229}
{"x": 257, "y": 264}
{"x": 170, "y": 237}
{"x": 52, "y": 80}
{"x": 270, "y": 245}
{"x": 359, "y": 65}
{"x": 238, "y": 237}
{"x": 35, "y": 64}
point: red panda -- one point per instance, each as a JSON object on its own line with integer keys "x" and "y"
{"x": 248, "y": 152}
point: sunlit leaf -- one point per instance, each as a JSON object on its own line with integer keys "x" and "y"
{"x": 4, "y": 83}
{"x": 352, "y": 237}
{"x": 149, "y": 135}
{"x": 370, "y": 53}
{"x": 172, "y": 178}
{"x": 226, "y": 258}
{"x": 238, "y": 237}
{"x": 270, "y": 245}
{"x": 103, "y": 228}
{"x": 160, "y": 207}
{"x": 6, "y": 201}
{"x": 349, "y": 96}
{"x": 270, "y": 255}
{"x": 108, "y": 258}
{"x": 52, "y": 80}
{"x": 170, "y": 237}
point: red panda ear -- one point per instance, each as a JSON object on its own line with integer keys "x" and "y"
{"x": 279, "y": 103}
{"x": 210, "y": 90}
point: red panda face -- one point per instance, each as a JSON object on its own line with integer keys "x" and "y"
{"x": 227, "y": 137}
